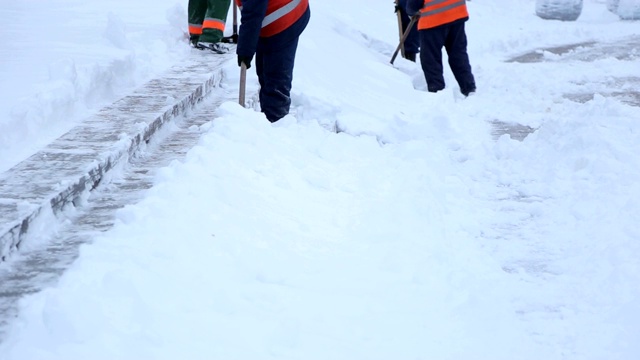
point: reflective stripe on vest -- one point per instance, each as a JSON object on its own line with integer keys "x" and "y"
{"x": 287, "y": 8}
{"x": 438, "y": 12}
{"x": 280, "y": 15}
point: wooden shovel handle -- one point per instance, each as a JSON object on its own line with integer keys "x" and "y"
{"x": 243, "y": 83}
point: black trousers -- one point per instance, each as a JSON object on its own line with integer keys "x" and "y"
{"x": 454, "y": 39}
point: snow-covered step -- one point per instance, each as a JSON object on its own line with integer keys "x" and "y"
{"x": 71, "y": 166}
{"x": 39, "y": 266}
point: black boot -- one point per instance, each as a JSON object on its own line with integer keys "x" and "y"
{"x": 193, "y": 40}
{"x": 470, "y": 88}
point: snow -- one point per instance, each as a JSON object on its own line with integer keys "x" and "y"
{"x": 565, "y": 10}
{"x": 626, "y": 9}
{"x": 412, "y": 233}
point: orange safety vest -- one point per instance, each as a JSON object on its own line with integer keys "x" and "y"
{"x": 438, "y": 12}
{"x": 280, "y": 15}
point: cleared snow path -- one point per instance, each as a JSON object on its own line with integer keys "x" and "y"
{"x": 53, "y": 241}
{"x": 63, "y": 172}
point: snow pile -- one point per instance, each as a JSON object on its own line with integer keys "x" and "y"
{"x": 565, "y": 10}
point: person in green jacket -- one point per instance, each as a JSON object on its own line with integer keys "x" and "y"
{"x": 207, "y": 19}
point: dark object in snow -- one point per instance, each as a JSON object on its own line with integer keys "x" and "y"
{"x": 564, "y": 10}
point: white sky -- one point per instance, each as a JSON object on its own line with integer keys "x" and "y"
{"x": 412, "y": 234}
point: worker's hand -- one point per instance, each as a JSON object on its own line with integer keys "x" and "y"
{"x": 246, "y": 60}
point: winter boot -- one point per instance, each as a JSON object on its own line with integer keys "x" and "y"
{"x": 469, "y": 89}
{"x": 193, "y": 41}
{"x": 217, "y": 48}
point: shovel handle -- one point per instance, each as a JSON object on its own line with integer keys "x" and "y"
{"x": 414, "y": 18}
{"x": 243, "y": 83}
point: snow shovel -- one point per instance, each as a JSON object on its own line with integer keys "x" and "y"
{"x": 233, "y": 39}
{"x": 414, "y": 18}
{"x": 235, "y": 22}
{"x": 243, "y": 83}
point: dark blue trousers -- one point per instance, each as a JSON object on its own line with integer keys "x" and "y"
{"x": 274, "y": 66}
{"x": 454, "y": 39}
{"x": 412, "y": 42}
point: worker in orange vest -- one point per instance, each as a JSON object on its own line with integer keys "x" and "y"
{"x": 441, "y": 24}
{"x": 207, "y": 20}
{"x": 270, "y": 29}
